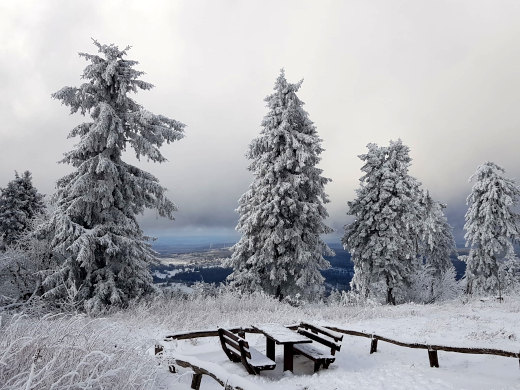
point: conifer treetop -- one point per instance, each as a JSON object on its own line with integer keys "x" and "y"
{"x": 110, "y": 78}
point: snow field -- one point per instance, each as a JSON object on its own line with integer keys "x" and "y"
{"x": 392, "y": 367}
{"x": 116, "y": 351}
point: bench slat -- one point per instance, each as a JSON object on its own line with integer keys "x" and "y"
{"x": 258, "y": 359}
{"x": 232, "y": 344}
{"x": 231, "y": 335}
{"x": 332, "y": 345}
{"x": 312, "y": 352}
{"x": 332, "y": 334}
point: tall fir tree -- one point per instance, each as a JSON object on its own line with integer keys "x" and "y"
{"x": 104, "y": 254}
{"x": 20, "y": 203}
{"x": 383, "y": 240}
{"x": 282, "y": 214}
{"x": 492, "y": 227}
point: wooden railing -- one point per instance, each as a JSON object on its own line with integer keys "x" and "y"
{"x": 431, "y": 348}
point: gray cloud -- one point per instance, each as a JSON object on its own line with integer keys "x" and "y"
{"x": 443, "y": 76}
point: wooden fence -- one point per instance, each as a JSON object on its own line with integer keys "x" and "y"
{"x": 431, "y": 348}
{"x": 374, "y": 338}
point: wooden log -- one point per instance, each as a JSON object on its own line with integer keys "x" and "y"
{"x": 373, "y": 345}
{"x": 195, "y": 381}
{"x": 434, "y": 359}
{"x": 202, "y": 371}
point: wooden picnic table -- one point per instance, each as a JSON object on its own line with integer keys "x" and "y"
{"x": 279, "y": 334}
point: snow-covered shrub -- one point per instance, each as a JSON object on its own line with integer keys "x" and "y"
{"x": 509, "y": 276}
{"x": 71, "y": 352}
{"x": 421, "y": 286}
{"x": 354, "y": 298}
{"x": 429, "y": 285}
{"x": 23, "y": 265}
{"x": 447, "y": 287}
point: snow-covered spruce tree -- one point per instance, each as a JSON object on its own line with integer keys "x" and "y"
{"x": 438, "y": 244}
{"x": 383, "y": 239}
{"x": 282, "y": 213}
{"x": 20, "y": 202}
{"x": 492, "y": 227}
{"x": 104, "y": 254}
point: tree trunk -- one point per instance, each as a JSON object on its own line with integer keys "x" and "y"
{"x": 279, "y": 294}
{"x": 390, "y": 299}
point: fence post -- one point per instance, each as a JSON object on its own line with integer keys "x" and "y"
{"x": 373, "y": 344}
{"x": 434, "y": 359}
{"x": 195, "y": 382}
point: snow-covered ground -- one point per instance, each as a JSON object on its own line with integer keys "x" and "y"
{"x": 478, "y": 324}
{"x": 70, "y": 348}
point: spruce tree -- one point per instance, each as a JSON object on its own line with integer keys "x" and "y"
{"x": 20, "y": 202}
{"x": 104, "y": 256}
{"x": 437, "y": 236}
{"x": 383, "y": 240}
{"x": 492, "y": 227}
{"x": 282, "y": 214}
{"x": 437, "y": 241}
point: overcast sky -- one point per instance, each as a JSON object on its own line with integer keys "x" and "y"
{"x": 441, "y": 75}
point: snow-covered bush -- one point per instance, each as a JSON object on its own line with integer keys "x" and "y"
{"x": 71, "y": 352}
{"x": 352, "y": 298}
{"x": 509, "y": 276}
{"x": 430, "y": 285}
{"x": 24, "y": 265}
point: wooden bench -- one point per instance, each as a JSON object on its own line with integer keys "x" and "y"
{"x": 325, "y": 337}
{"x": 238, "y": 350}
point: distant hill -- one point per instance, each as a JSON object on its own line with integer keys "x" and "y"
{"x": 194, "y": 262}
